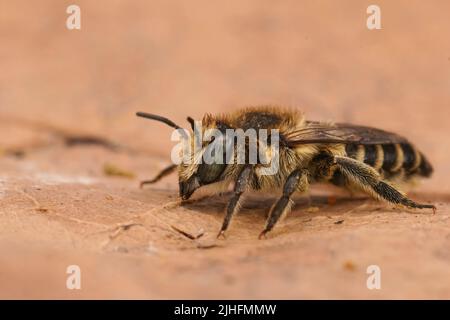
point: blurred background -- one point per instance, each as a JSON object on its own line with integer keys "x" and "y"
{"x": 177, "y": 59}
{"x": 184, "y": 58}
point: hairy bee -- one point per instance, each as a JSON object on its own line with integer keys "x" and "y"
{"x": 358, "y": 158}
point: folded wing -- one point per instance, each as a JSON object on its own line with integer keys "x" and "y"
{"x": 319, "y": 132}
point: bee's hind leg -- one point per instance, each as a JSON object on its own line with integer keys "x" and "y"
{"x": 367, "y": 179}
{"x": 297, "y": 181}
{"x": 240, "y": 186}
{"x": 166, "y": 171}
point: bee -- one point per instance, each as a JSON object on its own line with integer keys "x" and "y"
{"x": 357, "y": 158}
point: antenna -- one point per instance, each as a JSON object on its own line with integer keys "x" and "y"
{"x": 158, "y": 118}
{"x": 192, "y": 122}
{"x": 161, "y": 119}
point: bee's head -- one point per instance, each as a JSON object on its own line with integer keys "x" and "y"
{"x": 203, "y": 166}
{"x": 193, "y": 177}
{"x": 194, "y": 172}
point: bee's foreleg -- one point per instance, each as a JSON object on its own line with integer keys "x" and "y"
{"x": 297, "y": 181}
{"x": 166, "y": 171}
{"x": 240, "y": 186}
{"x": 367, "y": 179}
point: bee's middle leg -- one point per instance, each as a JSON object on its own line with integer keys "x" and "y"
{"x": 242, "y": 181}
{"x": 297, "y": 181}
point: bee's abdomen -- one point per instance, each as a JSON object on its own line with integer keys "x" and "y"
{"x": 391, "y": 158}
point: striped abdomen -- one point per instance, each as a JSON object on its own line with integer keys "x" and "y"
{"x": 391, "y": 158}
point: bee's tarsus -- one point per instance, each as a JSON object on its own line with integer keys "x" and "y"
{"x": 144, "y": 182}
{"x": 164, "y": 172}
{"x": 297, "y": 181}
{"x": 263, "y": 235}
{"x": 240, "y": 186}
{"x": 221, "y": 235}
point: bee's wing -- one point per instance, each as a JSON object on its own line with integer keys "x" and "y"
{"x": 317, "y": 132}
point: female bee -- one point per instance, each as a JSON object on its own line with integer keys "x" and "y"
{"x": 358, "y": 158}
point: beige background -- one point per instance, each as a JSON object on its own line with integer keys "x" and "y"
{"x": 57, "y": 207}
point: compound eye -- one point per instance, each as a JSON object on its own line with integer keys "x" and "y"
{"x": 209, "y": 173}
